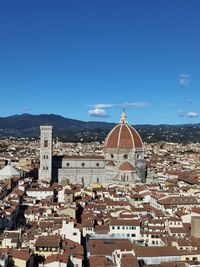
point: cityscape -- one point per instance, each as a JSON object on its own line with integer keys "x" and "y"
{"x": 115, "y": 203}
{"x": 99, "y": 133}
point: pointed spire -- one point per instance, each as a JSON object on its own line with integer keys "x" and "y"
{"x": 123, "y": 117}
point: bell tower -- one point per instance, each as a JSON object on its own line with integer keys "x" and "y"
{"x": 45, "y": 172}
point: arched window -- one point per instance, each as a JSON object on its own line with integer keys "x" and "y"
{"x": 45, "y": 143}
{"x": 97, "y": 164}
{"x": 125, "y": 156}
{"x": 112, "y": 156}
{"x": 67, "y": 164}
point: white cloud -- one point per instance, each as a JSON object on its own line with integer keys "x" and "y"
{"x": 100, "y": 106}
{"x": 184, "y": 80}
{"x": 136, "y": 104}
{"x": 192, "y": 114}
{"x": 126, "y": 104}
{"x": 98, "y": 112}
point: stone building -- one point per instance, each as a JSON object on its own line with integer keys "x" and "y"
{"x": 122, "y": 160}
{"x": 45, "y": 171}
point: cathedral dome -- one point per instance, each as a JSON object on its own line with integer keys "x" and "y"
{"x": 126, "y": 166}
{"x": 123, "y": 136}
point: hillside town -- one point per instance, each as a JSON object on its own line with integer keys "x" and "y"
{"x": 118, "y": 223}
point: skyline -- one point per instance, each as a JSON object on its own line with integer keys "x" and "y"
{"x": 87, "y": 60}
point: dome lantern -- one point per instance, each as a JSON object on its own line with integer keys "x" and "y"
{"x": 123, "y": 117}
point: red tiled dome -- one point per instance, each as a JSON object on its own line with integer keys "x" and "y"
{"x": 123, "y": 136}
{"x": 126, "y": 166}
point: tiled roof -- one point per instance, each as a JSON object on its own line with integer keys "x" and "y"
{"x": 126, "y": 166}
{"x": 156, "y": 251}
{"x": 178, "y": 200}
{"x": 48, "y": 241}
{"x": 100, "y": 261}
{"x": 72, "y": 248}
{"x": 103, "y": 247}
{"x": 57, "y": 258}
{"x": 20, "y": 254}
{"x": 128, "y": 260}
{"x": 102, "y": 229}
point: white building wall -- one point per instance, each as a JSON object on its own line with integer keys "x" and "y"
{"x": 86, "y": 176}
{"x": 70, "y": 232}
{"x": 83, "y": 163}
{"x": 158, "y": 260}
{"x": 61, "y": 196}
{"x": 37, "y": 194}
{"x": 88, "y": 231}
{"x": 76, "y": 261}
{"x": 3, "y": 261}
{"x": 122, "y": 231}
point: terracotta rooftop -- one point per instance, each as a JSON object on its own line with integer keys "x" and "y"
{"x": 102, "y": 229}
{"x": 103, "y": 247}
{"x": 72, "y": 248}
{"x": 57, "y": 258}
{"x": 48, "y": 241}
{"x": 128, "y": 260}
{"x": 156, "y": 251}
{"x": 20, "y": 254}
{"x": 100, "y": 261}
{"x": 178, "y": 200}
{"x": 126, "y": 166}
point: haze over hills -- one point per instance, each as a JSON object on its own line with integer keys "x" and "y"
{"x": 27, "y": 125}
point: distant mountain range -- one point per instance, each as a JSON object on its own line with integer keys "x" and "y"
{"x": 27, "y": 125}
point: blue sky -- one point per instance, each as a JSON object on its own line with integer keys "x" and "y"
{"x": 87, "y": 59}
